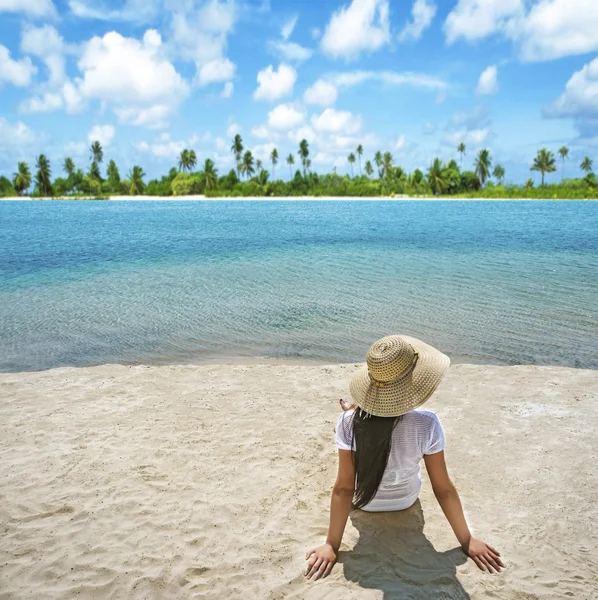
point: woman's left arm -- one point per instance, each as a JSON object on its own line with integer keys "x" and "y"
{"x": 484, "y": 555}
{"x": 322, "y": 559}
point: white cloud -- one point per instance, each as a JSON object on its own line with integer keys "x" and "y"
{"x": 233, "y": 128}
{"x": 152, "y": 117}
{"x": 75, "y": 148}
{"x": 351, "y": 78}
{"x": 199, "y": 34}
{"x": 221, "y": 145}
{"x": 67, "y": 96}
{"x": 350, "y": 142}
{"x": 47, "y": 44}
{"x": 472, "y": 127}
{"x": 132, "y": 76}
{"x": 473, "y": 137}
{"x": 72, "y": 98}
{"x": 165, "y": 148}
{"x": 400, "y": 143}
{"x": 549, "y": 29}
{"x": 323, "y": 158}
{"x": 362, "y": 26}
{"x": 286, "y": 116}
{"x": 16, "y": 72}
{"x": 291, "y": 51}
{"x": 48, "y": 102}
{"x": 220, "y": 69}
{"x": 321, "y": 92}
{"x": 227, "y": 90}
{"x": 102, "y": 134}
{"x": 32, "y": 8}
{"x": 274, "y": 85}
{"x": 476, "y": 19}
{"x": 422, "y": 13}
{"x": 262, "y": 152}
{"x": 305, "y": 132}
{"x": 136, "y": 11}
{"x": 556, "y": 28}
{"x": 17, "y": 135}
{"x": 580, "y": 98}
{"x": 169, "y": 149}
{"x": 337, "y": 121}
{"x": 261, "y": 131}
{"x": 288, "y": 28}
{"x": 488, "y": 83}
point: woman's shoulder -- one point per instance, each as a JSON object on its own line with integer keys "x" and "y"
{"x": 421, "y": 417}
{"x": 346, "y": 416}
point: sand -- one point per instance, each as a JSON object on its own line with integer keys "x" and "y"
{"x": 213, "y": 481}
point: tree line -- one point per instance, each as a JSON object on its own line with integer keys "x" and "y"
{"x": 380, "y": 176}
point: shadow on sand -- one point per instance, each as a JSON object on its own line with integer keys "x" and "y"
{"x": 393, "y": 555}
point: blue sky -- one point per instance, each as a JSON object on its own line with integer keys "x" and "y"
{"x": 151, "y": 77}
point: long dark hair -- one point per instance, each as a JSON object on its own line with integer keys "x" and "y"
{"x": 372, "y": 437}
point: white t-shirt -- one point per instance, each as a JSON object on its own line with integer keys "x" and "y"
{"x": 419, "y": 432}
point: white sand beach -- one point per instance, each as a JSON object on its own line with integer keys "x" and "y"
{"x": 213, "y": 481}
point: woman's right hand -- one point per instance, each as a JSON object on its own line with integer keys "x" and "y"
{"x": 485, "y": 556}
{"x": 321, "y": 561}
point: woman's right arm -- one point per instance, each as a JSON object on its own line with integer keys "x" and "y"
{"x": 485, "y": 556}
{"x": 322, "y": 559}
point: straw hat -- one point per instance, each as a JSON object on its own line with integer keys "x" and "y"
{"x": 401, "y": 374}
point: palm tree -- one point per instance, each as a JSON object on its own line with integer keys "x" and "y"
{"x": 290, "y": 162}
{"x": 94, "y": 171}
{"x": 97, "y": 154}
{"x": 564, "y": 153}
{"x": 184, "y": 160}
{"x": 258, "y": 165}
{"x": 308, "y": 164}
{"x": 247, "y": 164}
{"x": 303, "y": 153}
{"x": 586, "y": 165}
{"x": 483, "y": 164}
{"x": 359, "y": 154}
{"x": 136, "y": 176}
{"x": 192, "y": 159}
{"x": 274, "y": 159}
{"x": 113, "y": 174}
{"x": 387, "y": 165}
{"x": 461, "y": 151}
{"x": 368, "y": 168}
{"x": 68, "y": 166}
{"x": 22, "y": 178}
{"x": 544, "y": 162}
{"x": 351, "y": 159}
{"x": 210, "y": 174}
{"x": 435, "y": 176}
{"x": 237, "y": 150}
{"x": 378, "y": 161}
{"x": 43, "y": 175}
{"x": 499, "y": 173}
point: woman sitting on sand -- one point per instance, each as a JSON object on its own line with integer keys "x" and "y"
{"x": 381, "y": 441}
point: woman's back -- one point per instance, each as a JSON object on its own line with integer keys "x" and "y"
{"x": 417, "y": 433}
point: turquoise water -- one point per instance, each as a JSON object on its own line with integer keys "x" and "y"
{"x": 85, "y": 283}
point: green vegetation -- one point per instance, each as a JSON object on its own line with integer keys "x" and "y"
{"x": 380, "y": 177}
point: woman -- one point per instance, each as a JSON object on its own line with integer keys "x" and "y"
{"x": 381, "y": 441}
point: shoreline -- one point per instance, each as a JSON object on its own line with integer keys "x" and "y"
{"x": 292, "y": 198}
{"x": 262, "y": 361}
{"x": 170, "y": 481}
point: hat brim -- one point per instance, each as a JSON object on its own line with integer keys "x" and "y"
{"x": 407, "y": 393}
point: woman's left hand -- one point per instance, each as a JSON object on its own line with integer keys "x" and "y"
{"x": 321, "y": 561}
{"x": 484, "y": 555}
